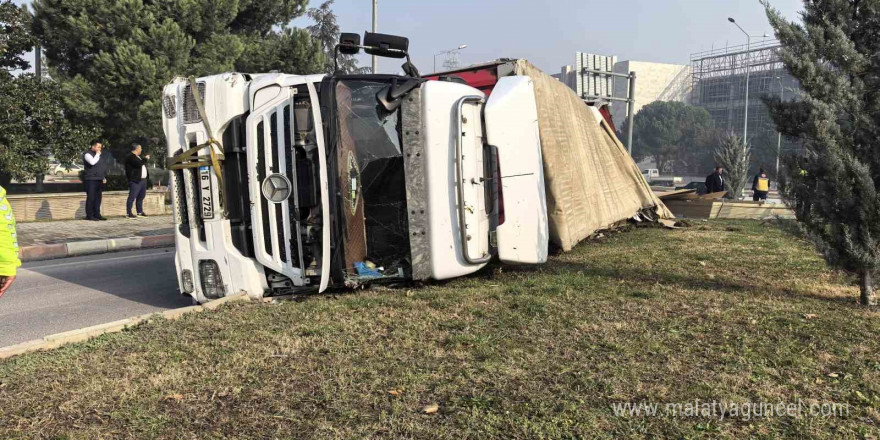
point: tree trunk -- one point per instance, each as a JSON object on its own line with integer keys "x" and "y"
{"x": 866, "y": 283}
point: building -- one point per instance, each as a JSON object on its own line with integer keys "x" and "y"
{"x": 719, "y": 86}
{"x": 567, "y": 76}
{"x": 654, "y": 82}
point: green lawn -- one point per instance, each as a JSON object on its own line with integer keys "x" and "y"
{"x": 732, "y": 312}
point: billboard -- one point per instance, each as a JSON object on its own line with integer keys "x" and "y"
{"x": 589, "y": 85}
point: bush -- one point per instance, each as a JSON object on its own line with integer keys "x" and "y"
{"x": 159, "y": 176}
{"x": 115, "y": 181}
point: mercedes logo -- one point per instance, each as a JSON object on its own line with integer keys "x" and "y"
{"x": 277, "y": 188}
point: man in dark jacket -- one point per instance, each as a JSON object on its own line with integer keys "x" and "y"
{"x": 94, "y": 177}
{"x": 138, "y": 176}
{"x": 715, "y": 181}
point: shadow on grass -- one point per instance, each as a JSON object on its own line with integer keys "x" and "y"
{"x": 789, "y": 227}
{"x": 691, "y": 282}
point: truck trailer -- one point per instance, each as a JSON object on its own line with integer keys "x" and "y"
{"x": 484, "y": 76}
{"x": 592, "y": 182}
{"x": 288, "y": 184}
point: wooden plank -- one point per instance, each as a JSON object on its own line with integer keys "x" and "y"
{"x": 716, "y": 209}
{"x": 753, "y": 210}
{"x": 686, "y": 208}
{"x": 713, "y": 196}
{"x": 677, "y": 194}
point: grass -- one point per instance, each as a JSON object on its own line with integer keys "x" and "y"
{"x": 732, "y": 312}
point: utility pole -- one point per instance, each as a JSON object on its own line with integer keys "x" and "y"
{"x": 38, "y": 70}
{"x": 779, "y": 138}
{"x": 631, "y": 113}
{"x": 748, "y": 70}
{"x": 375, "y": 29}
{"x": 450, "y": 51}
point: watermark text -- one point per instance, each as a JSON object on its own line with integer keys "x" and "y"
{"x": 730, "y": 410}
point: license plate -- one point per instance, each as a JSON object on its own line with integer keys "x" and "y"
{"x": 206, "y": 193}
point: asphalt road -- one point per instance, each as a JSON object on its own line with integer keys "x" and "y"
{"x": 59, "y": 295}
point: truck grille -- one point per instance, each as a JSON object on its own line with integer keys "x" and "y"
{"x": 181, "y": 207}
{"x": 278, "y": 228}
{"x": 293, "y": 213}
{"x": 186, "y": 197}
{"x": 190, "y": 109}
{"x": 169, "y": 104}
{"x": 235, "y": 169}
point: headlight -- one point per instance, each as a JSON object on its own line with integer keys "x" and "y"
{"x": 212, "y": 281}
{"x": 187, "y": 277}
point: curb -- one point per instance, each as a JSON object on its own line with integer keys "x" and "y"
{"x": 87, "y": 333}
{"x": 77, "y": 248}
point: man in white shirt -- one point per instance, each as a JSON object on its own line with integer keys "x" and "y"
{"x": 138, "y": 177}
{"x": 95, "y": 163}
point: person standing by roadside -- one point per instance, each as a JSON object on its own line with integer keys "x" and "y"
{"x": 138, "y": 176}
{"x": 715, "y": 181}
{"x": 760, "y": 186}
{"x": 9, "y": 260}
{"x": 94, "y": 177}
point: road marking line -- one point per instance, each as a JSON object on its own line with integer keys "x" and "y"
{"x": 93, "y": 261}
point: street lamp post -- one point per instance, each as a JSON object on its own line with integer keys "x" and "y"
{"x": 748, "y": 70}
{"x": 375, "y": 29}
{"x": 779, "y": 135}
{"x": 445, "y": 52}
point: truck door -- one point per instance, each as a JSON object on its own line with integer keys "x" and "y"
{"x": 474, "y": 222}
{"x": 449, "y": 177}
{"x": 511, "y": 118}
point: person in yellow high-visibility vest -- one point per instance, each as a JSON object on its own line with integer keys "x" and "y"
{"x": 9, "y": 260}
{"x": 760, "y": 186}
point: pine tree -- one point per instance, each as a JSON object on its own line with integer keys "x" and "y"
{"x": 733, "y": 155}
{"x": 114, "y": 56}
{"x": 833, "y": 55}
{"x": 326, "y": 30}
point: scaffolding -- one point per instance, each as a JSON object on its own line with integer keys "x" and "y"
{"x": 719, "y": 86}
{"x": 719, "y": 81}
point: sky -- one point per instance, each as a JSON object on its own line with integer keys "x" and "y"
{"x": 665, "y": 31}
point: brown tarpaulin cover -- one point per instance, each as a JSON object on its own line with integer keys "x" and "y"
{"x": 592, "y": 183}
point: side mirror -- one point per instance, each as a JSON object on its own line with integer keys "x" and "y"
{"x": 384, "y": 45}
{"x": 349, "y": 43}
{"x": 410, "y": 70}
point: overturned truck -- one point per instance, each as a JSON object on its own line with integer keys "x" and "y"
{"x": 298, "y": 183}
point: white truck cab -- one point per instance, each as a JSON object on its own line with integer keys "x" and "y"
{"x": 291, "y": 183}
{"x": 650, "y": 173}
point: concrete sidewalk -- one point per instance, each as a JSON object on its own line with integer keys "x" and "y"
{"x": 59, "y": 239}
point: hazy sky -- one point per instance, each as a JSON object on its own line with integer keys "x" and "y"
{"x": 644, "y": 30}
